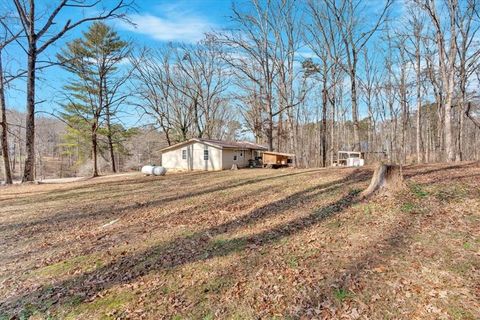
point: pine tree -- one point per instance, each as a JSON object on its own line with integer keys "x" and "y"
{"x": 93, "y": 61}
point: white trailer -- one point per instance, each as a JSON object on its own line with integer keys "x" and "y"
{"x": 349, "y": 159}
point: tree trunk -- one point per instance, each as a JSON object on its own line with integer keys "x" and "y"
{"x": 109, "y": 125}
{"x": 449, "y": 148}
{"x": 324, "y": 125}
{"x": 94, "y": 150}
{"x": 29, "y": 168}
{"x": 279, "y": 131}
{"x": 112, "y": 154}
{"x": 356, "y": 126}
{"x": 292, "y": 133}
{"x": 461, "y": 122}
{"x": 332, "y": 127}
{"x": 385, "y": 179}
{"x": 110, "y": 140}
{"x": 270, "y": 127}
{"x": 419, "y": 103}
{"x": 3, "y": 122}
{"x": 197, "y": 118}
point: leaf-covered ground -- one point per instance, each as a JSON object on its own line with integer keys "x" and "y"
{"x": 246, "y": 244}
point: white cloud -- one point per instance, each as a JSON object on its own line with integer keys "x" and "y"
{"x": 170, "y": 26}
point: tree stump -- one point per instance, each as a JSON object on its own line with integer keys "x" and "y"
{"x": 386, "y": 179}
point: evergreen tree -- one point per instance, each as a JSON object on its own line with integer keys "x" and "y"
{"x": 93, "y": 61}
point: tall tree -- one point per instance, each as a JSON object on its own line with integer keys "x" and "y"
{"x": 323, "y": 38}
{"x": 290, "y": 84}
{"x": 447, "y": 54}
{"x": 183, "y": 89}
{"x": 154, "y": 75}
{"x": 38, "y": 28}
{"x": 252, "y": 54}
{"x": 4, "y": 41}
{"x": 468, "y": 56}
{"x": 203, "y": 80}
{"x": 355, "y": 33}
{"x": 93, "y": 60}
{"x": 417, "y": 25}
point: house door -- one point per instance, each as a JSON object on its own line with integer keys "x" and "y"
{"x": 239, "y": 158}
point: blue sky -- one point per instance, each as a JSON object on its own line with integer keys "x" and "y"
{"x": 157, "y": 23}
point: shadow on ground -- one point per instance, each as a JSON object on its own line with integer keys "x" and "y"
{"x": 196, "y": 247}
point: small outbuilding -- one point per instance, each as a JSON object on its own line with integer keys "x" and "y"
{"x": 349, "y": 159}
{"x": 209, "y": 154}
{"x": 277, "y": 159}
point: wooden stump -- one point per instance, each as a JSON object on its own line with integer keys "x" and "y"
{"x": 386, "y": 179}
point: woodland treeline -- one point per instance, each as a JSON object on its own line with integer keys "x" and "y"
{"x": 397, "y": 80}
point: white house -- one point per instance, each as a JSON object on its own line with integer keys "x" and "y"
{"x": 208, "y": 154}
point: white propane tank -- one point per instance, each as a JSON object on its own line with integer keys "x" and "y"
{"x": 154, "y": 170}
{"x": 159, "y": 171}
{"x": 148, "y": 170}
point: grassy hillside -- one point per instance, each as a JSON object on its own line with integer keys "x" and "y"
{"x": 243, "y": 244}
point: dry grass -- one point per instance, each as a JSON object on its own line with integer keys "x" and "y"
{"x": 246, "y": 244}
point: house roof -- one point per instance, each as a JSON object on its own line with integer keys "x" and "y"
{"x": 219, "y": 144}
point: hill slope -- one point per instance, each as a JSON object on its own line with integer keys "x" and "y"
{"x": 244, "y": 244}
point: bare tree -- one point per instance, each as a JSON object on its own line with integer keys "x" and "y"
{"x": 321, "y": 38}
{"x": 391, "y": 95}
{"x": 39, "y": 38}
{"x": 355, "y": 33}
{"x": 4, "y": 41}
{"x": 447, "y": 54}
{"x": 290, "y": 83}
{"x": 370, "y": 86}
{"x": 116, "y": 96}
{"x": 252, "y": 52}
{"x": 6, "y": 38}
{"x": 204, "y": 81}
{"x": 417, "y": 24}
{"x": 468, "y": 57}
{"x": 436, "y": 86}
{"x": 183, "y": 89}
{"x": 153, "y": 76}
{"x": 402, "y": 85}
{"x": 325, "y": 41}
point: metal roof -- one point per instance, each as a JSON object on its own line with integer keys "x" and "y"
{"x": 280, "y": 153}
{"x": 219, "y": 144}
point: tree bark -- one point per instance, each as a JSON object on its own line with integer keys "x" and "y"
{"x": 324, "y": 124}
{"x": 94, "y": 150}
{"x": 270, "y": 127}
{"x": 356, "y": 126}
{"x": 332, "y": 128}
{"x": 4, "y": 126}
{"x": 467, "y": 113}
{"x": 292, "y": 133}
{"x": 109, "y": 130}
{"x": 385, "y": 179}
{"x": 110, "y": 143}
{"x": 29, "y": 167}
{"x": 419, "y": 141}
{"x": 449, "y": 148}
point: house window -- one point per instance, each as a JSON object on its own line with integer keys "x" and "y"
{"x": 205, "y": 154}
{"x": 234, "y": 158}
{"x": 184, "y": 154}
{"x": 241, "y": 154}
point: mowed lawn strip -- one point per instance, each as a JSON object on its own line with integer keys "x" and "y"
{"x": 243, "y": 244}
